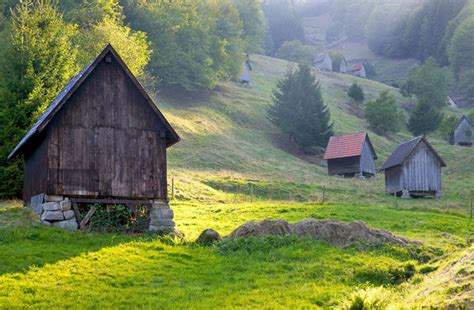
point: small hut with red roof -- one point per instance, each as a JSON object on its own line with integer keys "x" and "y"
{"x": 351, "y": 155}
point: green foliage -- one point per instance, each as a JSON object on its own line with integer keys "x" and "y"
{"x": 131, "y": 45}
{"x": 368, "y": 299}
{"x": 356, "y": 93}
{"x": 446, "y": 126}
{"x": 384, "y": 114}
{"x": 461, "y": 56}
{"x": 115, "y": 218}
{"x": 429, "y": 83}
{"x": 470, "y": 116}
{"x": 284, "y": 24}
{"x": 295, "y": 51}
{"x": 195, "y": 44}
{"x": 335, "y": 32}
{"x": 336, "y": 59}
{"x": 38, "y": 58}
{"x": 424, "y": 119}
{"x": 253, "y": 22}
{"x": 299, "y": 110}
{"x": 87, "y": 13}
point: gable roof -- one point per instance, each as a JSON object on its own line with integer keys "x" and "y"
{"x": 460, "y": 121}
{"x": 403, "y": 151}
{"x": 73, "y": 85}
{"x": 349, "y": 145}
{"x": 357, "y": 67}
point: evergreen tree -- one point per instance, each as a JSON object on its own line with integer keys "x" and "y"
{"x": 299, "y": 110}
{"x": 356, "y": 93}
{"x": 424, "y": 119}
{"x": 37, "y": 60}
{"x": 384, "y": 114}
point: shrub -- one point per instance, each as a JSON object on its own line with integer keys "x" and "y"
{"x": 115, "y": 218}
{"x": 447, "y": 126}
{"x": 368, "y": 299}
{"x": 295, "y": 51}
{"x": 356, "y": 93}
{"x": 384, "y": 115}
{"x": 424, "y": 119}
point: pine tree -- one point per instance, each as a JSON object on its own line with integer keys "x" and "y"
{"x": 425, "y": 118}
{"x": 356, "y": 93}
{"x": 37, "y": 60}
{"x": 299, "y": 110}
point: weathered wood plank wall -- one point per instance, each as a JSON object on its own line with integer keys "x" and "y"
{"x": 367, "y": 161}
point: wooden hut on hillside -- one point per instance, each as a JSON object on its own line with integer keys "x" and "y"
{"x": 323, "y": 62}
{"x": 351, "y": 155}
{"x": 463, "y": 132}
{"x": 245, "y": 77}
{"x": 359, "y": 70}
{"x": 414, "y": 169}
{"x": 102, "y": 140}
{"x": 343, "y": 65}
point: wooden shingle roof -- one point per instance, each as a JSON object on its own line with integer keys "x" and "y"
{"x": 349, "y": 145}
{"x": 403, "y": 151}
{"x": 72, "y": 86}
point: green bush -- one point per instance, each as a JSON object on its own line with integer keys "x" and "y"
{"x": 120, "y": 218}
{"x": 383, "y": 114}
{"x": 356, "y": 93}
{"x": 295, "y": 51}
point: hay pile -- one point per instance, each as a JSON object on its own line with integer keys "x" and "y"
{"x": 337, "y": 233}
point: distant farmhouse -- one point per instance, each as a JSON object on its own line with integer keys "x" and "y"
{"x": 245, "y": 77}
{"x": 414, "y": 169}
{"x": 323, "y": 62}
{"x": 359, "y": 70}
{"x": 101, "y": 141}
{"x": 463, "y": 133}
{"x": 351, "y": 155}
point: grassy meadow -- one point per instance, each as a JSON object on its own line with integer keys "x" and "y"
{"x": 228, "y": 169}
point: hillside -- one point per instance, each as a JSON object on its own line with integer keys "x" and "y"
{"x": 230, "y": 168}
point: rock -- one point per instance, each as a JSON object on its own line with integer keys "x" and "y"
{"x": 263, "y": 228}
{"x": 69, "y": 214}
{"x": 337, "y": 233}
{"x": 67, "y": 224}
{"x": 65, "y": 205}
{"x": 51, "y": 206}
{"x": 208, "y": 236}
{"x": 46, "y": 223}
{"x": 162, "y": 229}
{"x": 52, "y": 216}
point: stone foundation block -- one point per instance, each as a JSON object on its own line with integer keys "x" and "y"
{"x": 162, "y": 213}
{"x": 51, "y": 206}
{"x": 53, "y": 198}
{"x": 65, "y": 205}
{"x": 52, "y": 216}
{"x": 157, "y": 222}
{"x": 67, "y": 224}
{"x": 163, "y": 229}
{"x": 69, "y": 214}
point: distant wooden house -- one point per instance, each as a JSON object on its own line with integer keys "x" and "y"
{"x": 351, "y": 155}
{"x": 359, "y": 70}
{"x": 323, "y": 62}
{"x": 463, "y": 133}
{"x": 343, "y": 65}
{"x": 414, "y": 169}
{"x": 102, "y": 140}
{"x": 245, "y": 76}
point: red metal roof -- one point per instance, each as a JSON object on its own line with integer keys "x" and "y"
{"x": 357, "y": 67}
{"x": 345, "y": 146}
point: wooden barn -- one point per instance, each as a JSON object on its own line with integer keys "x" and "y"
{"x": 463, "y": 132}
{"x": 245, "y": 77}
{"x": 102, "y": 140}
{"x": 359, "y": 70}
{"x": 343, "y": 65}
{"x": 414, "y": 169}
{"x": 323, "y": 62}
{"x": 351, "y": 155}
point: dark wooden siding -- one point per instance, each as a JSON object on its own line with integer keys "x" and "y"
{"x": 107, "y": 141}
{"x": 367, "y": 161}
{"x": 341, "y": 166}
{"x": 35, "y": 171}
{"x": 393, "y": 177}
